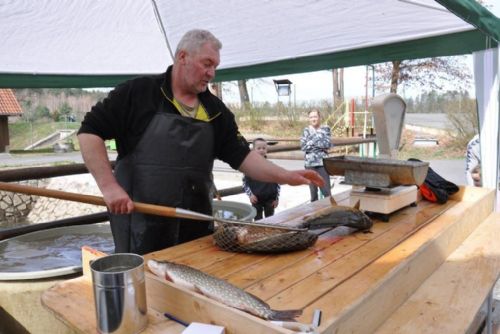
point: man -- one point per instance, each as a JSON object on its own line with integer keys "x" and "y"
{"x": 169, "y": 129}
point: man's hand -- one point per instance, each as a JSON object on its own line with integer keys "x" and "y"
{"x": 260, "y": 169}
{"x": 117, "y": 200}
{"x": 304, "y": 176}
{"x": 275, "y": 203}
{"x": 253, "y": 199}
{"x": 97, "y": 161}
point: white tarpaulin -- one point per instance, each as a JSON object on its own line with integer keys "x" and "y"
{"x": 49, "y": 43}
{"x": 487, "y": 76}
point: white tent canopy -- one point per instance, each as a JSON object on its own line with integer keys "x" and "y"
{"x": 89, "y": 43}
{"x": 85, "y": 43}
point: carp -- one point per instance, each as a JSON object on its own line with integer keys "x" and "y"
{"x": 218, "y": 289}
{"x": 261, "y": 240}
{"x": 336, "y": 215}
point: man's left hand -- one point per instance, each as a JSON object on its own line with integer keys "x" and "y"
{"x": 304, "y": 176}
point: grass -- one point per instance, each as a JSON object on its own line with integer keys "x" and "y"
{"x": 23, "y": 134}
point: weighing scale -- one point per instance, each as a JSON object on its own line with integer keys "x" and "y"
{"x": 384, "y": 185}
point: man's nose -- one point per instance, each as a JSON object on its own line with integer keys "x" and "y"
{"x": 211, "y": 72}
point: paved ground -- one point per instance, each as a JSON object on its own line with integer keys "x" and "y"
{"x": 431, "y": 120}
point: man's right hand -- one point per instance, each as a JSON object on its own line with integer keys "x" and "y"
{"x": 117, "y": 200}
{"x": 253, "y": 199}
{"x": 96, "y": 159}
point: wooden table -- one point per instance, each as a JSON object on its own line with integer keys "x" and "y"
{"x": 358, "y": 281}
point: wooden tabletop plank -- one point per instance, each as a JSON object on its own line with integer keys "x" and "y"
{"x": 189, "y": 248}
{"x": 211, "y": 256}
{"x": 450, "y": 298}
{"x": 271, "y": 264}
{"x": 72, "y": 301}
{"x": 232, "y": 268}
{"x": 377, "y": 290}
{"x": 231, "y": 265}
{"x": 291, "y": 287}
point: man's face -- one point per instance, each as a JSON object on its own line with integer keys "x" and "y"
{"x": 260, "y": 147}
{"x": 200, "y": 67}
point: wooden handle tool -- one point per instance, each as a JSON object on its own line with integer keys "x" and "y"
{"x": 158, "y": 210}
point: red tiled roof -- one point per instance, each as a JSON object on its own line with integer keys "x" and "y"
{"x": 8, "y": 103}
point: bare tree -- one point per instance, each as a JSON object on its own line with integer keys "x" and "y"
{"x": 428, "y": 73}
{"x": 338, "y": 87}
{"x": 244, "y": 98}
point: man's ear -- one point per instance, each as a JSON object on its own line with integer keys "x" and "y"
{"x": 181, "y": 57}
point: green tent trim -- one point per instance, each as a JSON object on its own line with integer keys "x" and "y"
{"x": 473, "y": 13}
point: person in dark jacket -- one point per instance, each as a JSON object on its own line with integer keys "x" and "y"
{"x": 169, "y": 129}
{"x": 264, "y": 196}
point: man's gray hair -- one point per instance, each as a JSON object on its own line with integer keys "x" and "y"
{"x": 194, "y": 39}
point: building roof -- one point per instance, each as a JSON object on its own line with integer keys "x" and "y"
{"x": 8, "y": 103}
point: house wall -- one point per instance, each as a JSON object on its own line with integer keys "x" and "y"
{"x": 4, "y": 134}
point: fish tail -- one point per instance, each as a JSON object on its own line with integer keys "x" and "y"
{"x": 284, "y": 314}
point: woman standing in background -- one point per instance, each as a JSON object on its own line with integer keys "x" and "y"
{"x": 315, "y": 142}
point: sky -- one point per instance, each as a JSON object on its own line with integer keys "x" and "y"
{"x": 312, "y": 86}
{"x": 318, "y": 86}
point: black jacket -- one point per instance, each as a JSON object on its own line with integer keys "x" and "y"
{"x": 128, "y": 109}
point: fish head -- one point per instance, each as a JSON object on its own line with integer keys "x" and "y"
{"x": 158, "y": 268}
{"x": 367, "y": 223}
{"x": 155, "y": 267}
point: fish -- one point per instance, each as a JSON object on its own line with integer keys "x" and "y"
{"x": 218, "y": 289}
{"x": 256, "y": 239}
{"x": 337, "y": 215}
{"x": 248, "y": 239}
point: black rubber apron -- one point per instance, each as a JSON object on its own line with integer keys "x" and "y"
{"x": 170, "y": 166}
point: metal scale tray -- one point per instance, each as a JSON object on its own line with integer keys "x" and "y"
{"x": 377, "y": 173}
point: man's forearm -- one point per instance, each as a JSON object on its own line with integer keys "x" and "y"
{"x": 96, "y": 159}
{"x": 261, "y": 169}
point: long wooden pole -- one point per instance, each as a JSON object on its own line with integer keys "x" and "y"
{"x": 151, "y": 209}
{"x": 89, "y": 199}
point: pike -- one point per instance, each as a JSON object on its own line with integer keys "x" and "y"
{"x": 218, "y": 289}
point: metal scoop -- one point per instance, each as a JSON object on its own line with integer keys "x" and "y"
{"x": 158, "y": 210}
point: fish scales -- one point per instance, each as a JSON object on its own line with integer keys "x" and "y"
{"x": 218, "y": 289}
